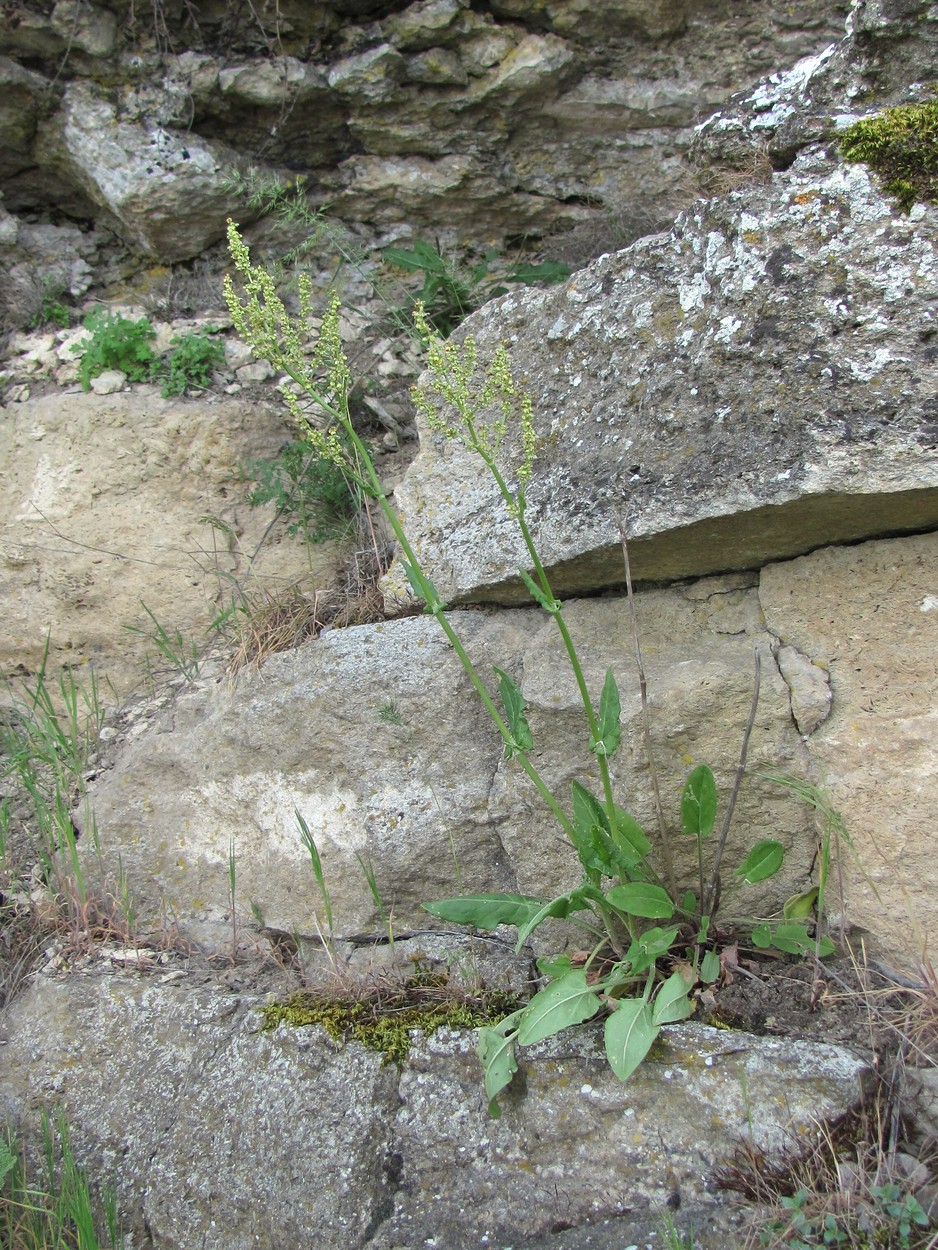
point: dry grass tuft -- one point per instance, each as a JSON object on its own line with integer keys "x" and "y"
{"x": 869, "y": 1179}
{"x": 748, "y": 165}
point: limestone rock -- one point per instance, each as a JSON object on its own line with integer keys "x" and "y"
{"x": 102, "y": 501}
{"x": 810, "y": 688}
{"x": 889, "y": 53}
{"x": 869, "y": 614}
{"x": 20, "y": 101}
{"x": 429, "y": 81}
{"x": 164, "y": 190}
{"x": 236, "y": 1139}
{"x": 591, "y": 20}
{"x": 85, "y": 27}
{"x": 753, "y": 384}
{"x": 376, "y": 737}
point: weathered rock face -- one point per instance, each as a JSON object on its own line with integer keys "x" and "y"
{"x": 104, "y": 500}
{"x": 163, "y": 191}
{"x": 230, "y": 1138}
{"x": 889, "y": 57}
{"x": 755, "y": 383}
{"x": 488, "y": 122}
{"x": 377, "y": 738}
{"x": 867, "y": 616}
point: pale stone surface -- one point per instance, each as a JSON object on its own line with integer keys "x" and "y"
{"x": 233, "y": 1139}
{"x": 869, "y": 614}
{"x": 377, "y": 738}
{"x": 753, "y": 384}
{"x": 435, "y": 79}
{"x": 101, "y": 509}
{"x": 164, "y": 190}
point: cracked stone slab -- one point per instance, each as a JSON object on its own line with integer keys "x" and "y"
{"x": 810, "y": 687}
{"x": 377, "y": 738}
{"x": 869, "y": 615}
{"x": 755, "y": 383}
{"x": 229, "y": 1138}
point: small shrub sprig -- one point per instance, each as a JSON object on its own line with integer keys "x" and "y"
{"x": 622, "y": 897}
{"x": 116, "y": 343}
{"x": 191, "y": 362}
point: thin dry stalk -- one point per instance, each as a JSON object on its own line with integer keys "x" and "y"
{"x": 279, "y": 624}
{"x": 666, "y": 850}
{"x": 708, "y": 902}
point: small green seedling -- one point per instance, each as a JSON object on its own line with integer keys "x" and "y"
{"x": 115, "y": 343}
{"x": 190, "y": 362}
{"x": 451, "y": 291}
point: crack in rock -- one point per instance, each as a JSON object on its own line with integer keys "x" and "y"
{"x": 809, "y": 687}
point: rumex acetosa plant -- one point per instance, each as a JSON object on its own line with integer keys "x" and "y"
{"x": 635, "y": 919}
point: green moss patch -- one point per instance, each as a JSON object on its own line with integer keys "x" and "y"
{"x": 382, "y": 1016}
{"x": 901, "y": 145}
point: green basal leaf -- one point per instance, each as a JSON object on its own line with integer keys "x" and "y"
{"x": 639, "y": 898}
{"x": 671, "y": 1002}
{"x": 610, "y": 710}
{"x": 8, "y": 1159}
{"x": 587, "y": 810}
{"x": 792, "y": 939}
{"x": 542, "y": 600}
{"x": 801, "y": 906}
{"x": 699, "y": 803}
{"x": 710, "y": 967}
{"x": 588, "y": 815}
{"x": 554, "y": 966}
{"x": 629, "y": 836}
{"x": 762, "y": 862}
{"x": 496, "y": 1049}
{"x": 629, "y": 1034}
{"x": 513, "y": 701}
{"x": 559, "y": 908}
{"x": 486, "y": 911}
{"x": 550, "y": 271}
{"x": 689, "y": 902}
{"x": 645, "y": 950}
{"x": 565, "y": 1002}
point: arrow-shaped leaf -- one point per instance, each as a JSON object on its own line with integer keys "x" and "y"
{"x": 566, "y": 1001}
{"x": 610, "y": 710}
{"x": 629, "y": 836}
{"x": 629, "y": 1034}
{"x": 513, "y": 701}
{"x": 486, "y": 911}
{"x": 699, "y": 803}
{"x": 671, "y": 1002}
{"x": 639, "y": 898}
{"x": 800, "y": 906}
{"x": 762, "y": 862}
{"x": 496, "y": 1049}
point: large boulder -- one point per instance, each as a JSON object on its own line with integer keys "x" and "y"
{"x": 376, "y": 737}
{"x": 163, "y": 190}
{"x": 753, "y": 384}
{"x": 107, "y": 505}
{"x": 231, "y": 1138}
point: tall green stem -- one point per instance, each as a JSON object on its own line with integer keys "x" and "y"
{"x": 369, "y": 481}
{"x": 516, "y": 504}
